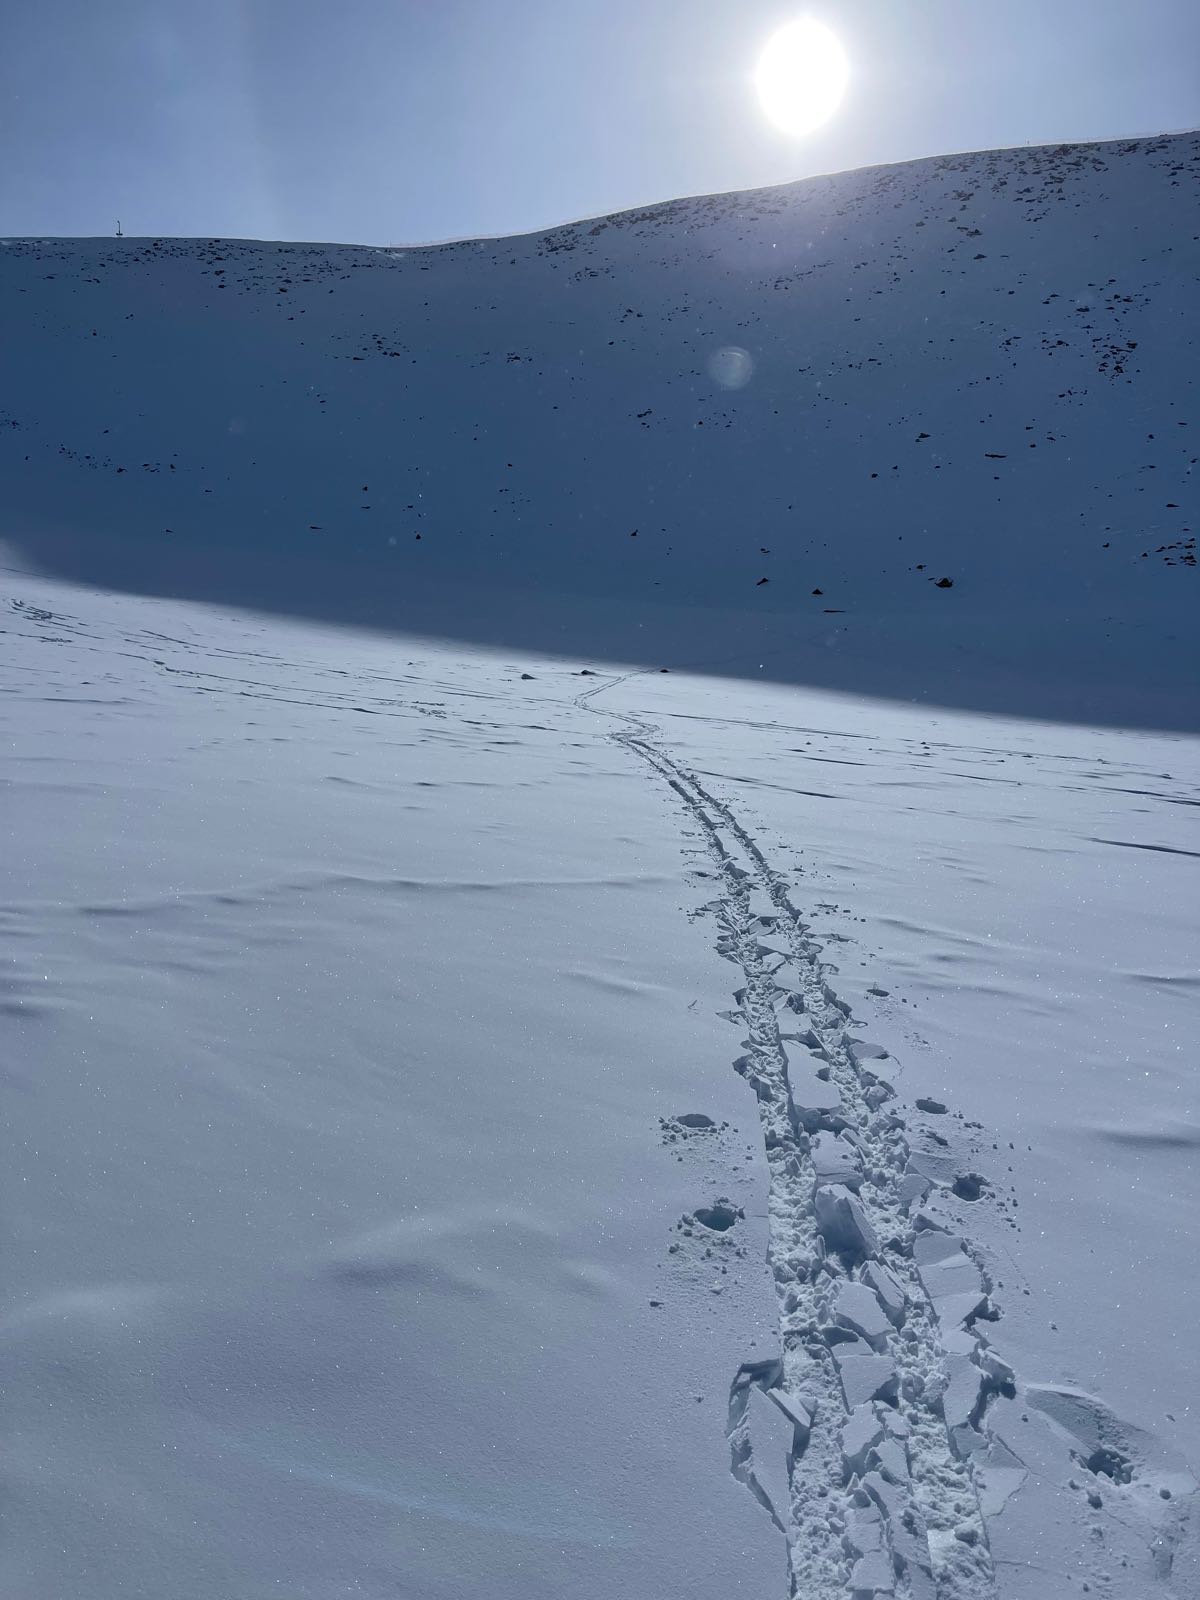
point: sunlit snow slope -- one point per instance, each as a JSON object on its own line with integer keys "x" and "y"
{"x": 786, "y": 416}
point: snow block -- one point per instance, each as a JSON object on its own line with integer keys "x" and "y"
{"x": 810, "y": 1098}
{"x": 771, "y": 1440}
{"x": 862, "y": 1050}
{"x": 999, "y": 1474}
{"x": 913, "y": 1189}
{"x": 864, "y": 1534}
{"x": 962, "y": 1392}
{"x": 862, "y": 1432}
{"x": 995, "y": 1366}
{"x": 843, "y": 1222}
{"x": 951, "y": 1279}
{"x": 872, "y": 1578}
{"x": 858, "y": 1309}
{"x": 893, "y": 1461}
{"x": 933, "y": 1165}
{"x": 935, "y": 1244}
{"x": 909, "y": 1540}
{"x": 888, "y": 1288}
{"x": 836, "y": 1160}
{"x": 800, "y": 1411}
{"x": 896, "y": 1424}
{"x": 865, "y": 1376}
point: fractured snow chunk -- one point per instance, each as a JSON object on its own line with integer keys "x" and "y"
{"x": 909, "y": 1539}
{"x": 843, "y": 1222}
{"x": 955, "y": 1309}
{"x": 998, "y": 1475}
{"x": 913, "y": 1189}
{"x": 863, "y": 1050}
{"x": 811, "y": 1097}
{"x": 858, "y": 1309}
{"x": 863, "y": 1535}
{"x": 771, "y": 1437}
{"x": 994, "y": 1365}
{"x": 895, "y": 1423}
{"x": 952, "y": 1280}
{"x": 958, "y": 1342}
{"x": 836, "y": 1160}
{"x": 862, "y": 1432}
{"x": 865, "y": 1375}
{"x": 888, "y": 1287}
{"x": 800, "y": 1410}
{"x": 962, "y": 1392}
{"x": 873, "y": 1578}
{"x": 893, "y": 1461}
{"x": 934, "y": 1165}
{"x": 935, "y": 1245}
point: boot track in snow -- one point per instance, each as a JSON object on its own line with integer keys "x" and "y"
{"x": 883, "y": 1370}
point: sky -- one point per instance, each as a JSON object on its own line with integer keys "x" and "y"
{"x": 401, "y": 121}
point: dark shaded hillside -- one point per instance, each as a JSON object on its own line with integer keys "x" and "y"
{"x": 925, "y": 430}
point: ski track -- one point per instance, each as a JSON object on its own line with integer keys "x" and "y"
{"x": 881, "y": 1372}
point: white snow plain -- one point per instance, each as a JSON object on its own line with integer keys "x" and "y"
{"x": 489, "y": 1118}
{"x": 352, "y": 997}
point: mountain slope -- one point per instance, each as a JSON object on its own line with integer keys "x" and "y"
{"x": 978, "y": 369}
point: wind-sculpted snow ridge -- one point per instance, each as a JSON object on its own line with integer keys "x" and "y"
{"x": 904, "y": 1443}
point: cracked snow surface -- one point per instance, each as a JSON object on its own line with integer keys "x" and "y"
{"x": 909, "y": 1431}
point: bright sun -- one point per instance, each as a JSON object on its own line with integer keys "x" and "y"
{"x": 801, "y": 76}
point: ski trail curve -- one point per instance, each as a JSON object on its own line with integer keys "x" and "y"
{"x": 881, "y": 1371}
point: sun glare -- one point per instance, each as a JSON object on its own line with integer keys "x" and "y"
{"x": 801, "y": 76}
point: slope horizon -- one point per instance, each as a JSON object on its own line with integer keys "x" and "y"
{"x": 650, "y": 203}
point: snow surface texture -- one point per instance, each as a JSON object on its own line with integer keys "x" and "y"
{"x": 807, "y": 407}
{"x": 385, "y": 1216}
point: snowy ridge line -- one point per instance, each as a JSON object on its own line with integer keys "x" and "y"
{"x": 882, "y": 1373}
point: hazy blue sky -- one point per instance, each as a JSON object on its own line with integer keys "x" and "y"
{"x": 390, "y": 121}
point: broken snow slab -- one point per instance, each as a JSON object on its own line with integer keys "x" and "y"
{"x": 836, "y": 1160}
{"x": 813, "y": 1097}
{"x": 951, "y": 1278}
{"x": 843, "y": 1223}
{"x": 860, "y": 1436}
{"x": 857, "y": 1308}
{"x": 1126, "y": 1540}
{"x": 865, "y": 1375}
{"x": 889, "y": 1289}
